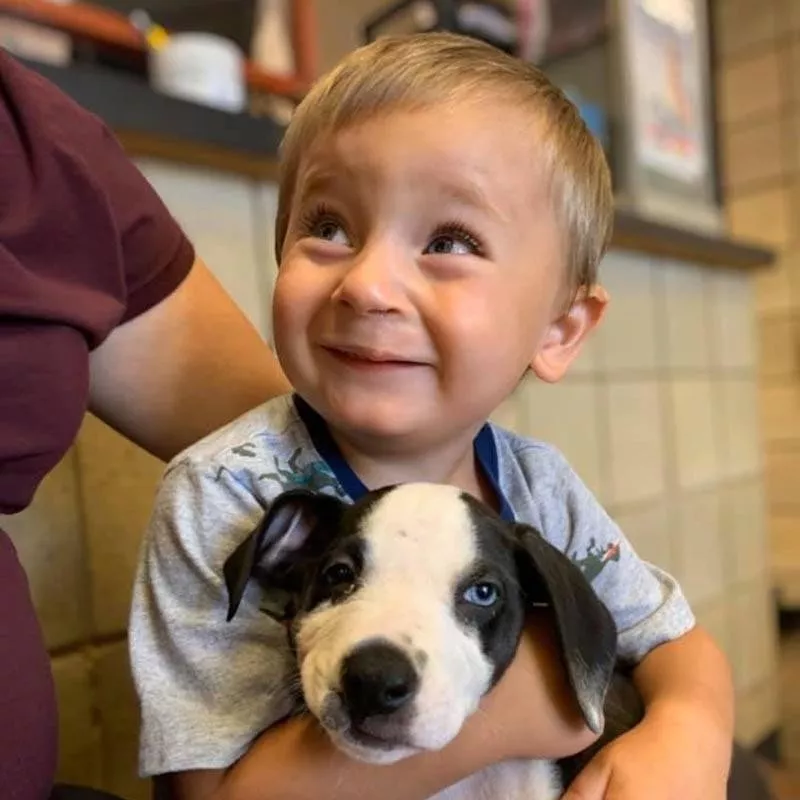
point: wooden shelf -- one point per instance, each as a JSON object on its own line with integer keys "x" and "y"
{"x": 632, "y": 232}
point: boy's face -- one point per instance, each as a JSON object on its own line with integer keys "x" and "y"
{"x": 423, "y": 272}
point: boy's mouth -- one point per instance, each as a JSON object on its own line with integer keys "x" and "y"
{"x": 369, "y": 358}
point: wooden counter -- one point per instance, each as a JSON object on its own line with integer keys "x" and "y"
{"x": 152, "y": 124}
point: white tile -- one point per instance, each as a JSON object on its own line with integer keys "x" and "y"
{"x": 648, "y": 529}
{"x": 784, "y": 555}
{"x": 80, "y": 759}
{"x": 685, "y": 306}
{"x": 566, "y": 416}
{"x": 49, "y": 539}
{"x": 757, "y": 712}
{"x": 733, "y": 335}
{"x": 588, "y": 361}
{"x": 755, "y": 647}
{"x": 713, "y": 617}
{"x": 626, "y": 338}
{"x": 635, "y": 461}
{"x": 692, "y": 420}
{"x": 216, "y": 210}
{"x": 744, "y": 528}
{"x": 699, "y": 552}
{"x": 265, "y": 209}
{"x": 118, "y": 485}
{"x": 739, "y": 432}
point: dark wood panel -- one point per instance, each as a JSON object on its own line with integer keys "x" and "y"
{"x": 150, "y": 123}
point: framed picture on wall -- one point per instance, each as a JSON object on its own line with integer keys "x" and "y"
{"x": 666, "y": 108}
{"x": 666, "y": 111}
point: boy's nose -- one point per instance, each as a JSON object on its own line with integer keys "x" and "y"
{"x": 371, "y": 286}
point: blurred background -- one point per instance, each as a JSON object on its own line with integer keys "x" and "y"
{"x": 683, "y": 415}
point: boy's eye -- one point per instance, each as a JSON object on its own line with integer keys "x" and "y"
{"x": 453, "y": 240}
{"x": 320, "y": 223}
{"x": 330, "y": 231}
{"x": 448, "y": 245}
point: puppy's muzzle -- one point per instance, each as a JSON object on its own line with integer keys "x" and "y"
{"x": 378, "y": 680}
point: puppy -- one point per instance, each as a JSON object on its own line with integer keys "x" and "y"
{"x": 406, "y": 607}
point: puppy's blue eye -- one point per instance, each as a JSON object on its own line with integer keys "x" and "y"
{"x": 482, "y": 594}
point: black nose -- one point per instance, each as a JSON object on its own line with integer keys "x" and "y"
{"x": 377, "y": 679}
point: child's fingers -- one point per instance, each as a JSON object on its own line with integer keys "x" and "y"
{"x": 591, "y": 783}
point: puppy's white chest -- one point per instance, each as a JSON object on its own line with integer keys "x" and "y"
{"x": 509, "y": 780}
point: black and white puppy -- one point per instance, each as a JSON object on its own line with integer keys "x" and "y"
{"x": 405, "y": 608}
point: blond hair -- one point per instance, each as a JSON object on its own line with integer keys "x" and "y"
{"x": 405, "y": 73}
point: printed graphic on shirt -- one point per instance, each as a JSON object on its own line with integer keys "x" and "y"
{"x": 246, "y": 450}
{"x": 314, "y": 476}
{"x": 596, "y": 558}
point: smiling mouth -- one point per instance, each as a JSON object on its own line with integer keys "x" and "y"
{"x": 374, "y": 359}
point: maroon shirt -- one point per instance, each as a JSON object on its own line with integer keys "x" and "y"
{"x": 85, "y": 244}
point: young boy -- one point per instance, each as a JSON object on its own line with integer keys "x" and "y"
{"x": 443, "y": 211}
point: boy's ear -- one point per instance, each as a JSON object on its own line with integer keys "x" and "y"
{"x": 565, "y": 336}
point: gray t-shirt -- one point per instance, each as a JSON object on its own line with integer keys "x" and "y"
{"x": 207, "y": 688}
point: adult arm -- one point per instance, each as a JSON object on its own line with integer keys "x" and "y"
{"x": 91, "y": 247}
{"x": 184, "y": 367}
{"x": 530, "y": 714}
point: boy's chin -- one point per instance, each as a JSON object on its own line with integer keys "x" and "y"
{"x": 388, "y": 423}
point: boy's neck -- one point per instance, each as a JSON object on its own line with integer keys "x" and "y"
{"x": 452, "y": 462}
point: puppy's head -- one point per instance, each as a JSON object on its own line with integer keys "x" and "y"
{"x": 407, "y": 607}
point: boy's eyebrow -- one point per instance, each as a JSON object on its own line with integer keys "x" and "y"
{"x": 467, "y": 193}
{"x": 470, "y": 194}
{"x": 315, "y": 180}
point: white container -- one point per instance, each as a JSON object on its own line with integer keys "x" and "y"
{"x": 202, "y": 68}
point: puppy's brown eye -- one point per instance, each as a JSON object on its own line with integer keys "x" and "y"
{"x": 339, "y": 574}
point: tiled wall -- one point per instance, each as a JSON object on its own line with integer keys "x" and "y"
{"x": 659, "y": 417}
{"x": 759, "y": 82}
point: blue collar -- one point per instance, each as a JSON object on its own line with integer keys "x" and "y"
{"x": 485, "y": 454}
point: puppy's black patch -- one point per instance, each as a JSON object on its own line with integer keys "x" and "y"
{"x": 337, "y": 575}
{"x": 500, "y": 625}
{"x": 531, "y": 572}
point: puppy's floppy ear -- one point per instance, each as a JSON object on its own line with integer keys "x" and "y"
{"x": 297, "y": 523}
{"x": 586, "y": 629}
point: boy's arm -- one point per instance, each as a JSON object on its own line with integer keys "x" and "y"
{"x": 688, "y": 682}
{"x": 683, "y": 746}
{"x": 531, "y": 713}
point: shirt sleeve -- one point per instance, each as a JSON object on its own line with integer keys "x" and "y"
{"x": 91, "y": 242}
{"x": 647, "y": 603}
{"x": 206, "y": 687}
{"x": 156, "y": 254}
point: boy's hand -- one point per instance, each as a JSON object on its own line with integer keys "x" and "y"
{"x": 663, "y": 758}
